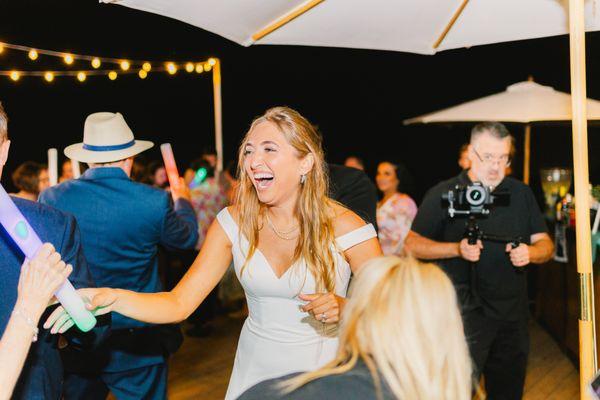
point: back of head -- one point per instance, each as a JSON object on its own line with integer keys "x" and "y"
{"x": 403, "y": 320}
{"x": 26, "y": 177}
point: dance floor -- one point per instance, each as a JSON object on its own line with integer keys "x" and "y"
{"x": 201, "y": 368}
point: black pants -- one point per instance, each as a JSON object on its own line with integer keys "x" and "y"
{"x": 499, "y": 350}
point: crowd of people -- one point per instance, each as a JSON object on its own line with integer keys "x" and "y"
{"x": 287, "y": 232}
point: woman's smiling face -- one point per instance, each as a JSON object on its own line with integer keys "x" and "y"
{"x": 273, "y": 165}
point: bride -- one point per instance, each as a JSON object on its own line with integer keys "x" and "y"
{"x": 293, "y": 249}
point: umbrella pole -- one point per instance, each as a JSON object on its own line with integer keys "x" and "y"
{"x": 526, "y": 151}
{"x": 218, "y": 116}
{"x": 587, "y": 353}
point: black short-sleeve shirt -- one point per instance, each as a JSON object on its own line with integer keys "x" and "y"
{"x": 502, "y": 288}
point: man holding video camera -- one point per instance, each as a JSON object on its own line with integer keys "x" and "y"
{"x": 489, "y": 274}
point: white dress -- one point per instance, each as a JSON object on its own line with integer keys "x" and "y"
{"x": 277, "y": 337}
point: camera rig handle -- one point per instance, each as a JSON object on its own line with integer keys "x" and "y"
{"x": 473, "y": 234}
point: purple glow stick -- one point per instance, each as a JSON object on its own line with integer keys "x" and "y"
{"x": 28, "y": 241}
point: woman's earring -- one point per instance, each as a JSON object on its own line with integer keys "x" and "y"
{"x": 302, "y": 179}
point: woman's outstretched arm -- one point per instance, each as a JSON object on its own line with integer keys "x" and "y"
{"x": 164, "y": 307}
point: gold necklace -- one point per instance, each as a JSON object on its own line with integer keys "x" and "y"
{"x": 281, "y": 234}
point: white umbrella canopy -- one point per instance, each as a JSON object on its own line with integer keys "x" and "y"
{"x": 399, "y": 25}
{"x": 522, "y": 102}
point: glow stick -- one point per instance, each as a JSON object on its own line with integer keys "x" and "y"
{"x": 75, "y": 168}
{"x": 170, "y": 166}
{"x": 53, "y": 166}
{"x": 28, "y": 241}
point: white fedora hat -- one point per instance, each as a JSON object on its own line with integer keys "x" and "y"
{"x": 106, "y": 138}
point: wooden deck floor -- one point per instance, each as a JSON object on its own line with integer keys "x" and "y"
{"x": 201, "y": 368}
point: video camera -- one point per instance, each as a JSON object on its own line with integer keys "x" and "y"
{"x": 474, "y": 199}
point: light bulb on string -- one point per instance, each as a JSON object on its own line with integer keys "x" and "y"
{"x": 124, "y": 65}
{"x": 199, "y": 68}
{"x": 112, "y": 75}
{"x": 1, "y": 48}
{"x": 142, "y": 74}
{"x": 96, "y": 62}
{"x": 68, "y": 59}
{"x": 171, "y": 68}
{"x": 49, "y": 76}
{"x": 81, "y": 76}
{"x": 146, "y": 66}
{"x": 189, "y": 67}
{"x": 207, "y": 67}
{"x": 15, "y": 75}
{"x": 33, "y": 54}
{"x": 212, "y": 61}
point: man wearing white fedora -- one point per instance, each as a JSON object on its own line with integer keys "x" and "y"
{"x": 122, "y": 223}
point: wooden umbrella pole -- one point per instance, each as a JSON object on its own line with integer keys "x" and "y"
{"x": 218, "y": 116}
{"x": 527, "y": 153}
{"x": 587, "y": 353}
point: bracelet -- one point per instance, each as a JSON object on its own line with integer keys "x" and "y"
{"x": 29, "y": 322}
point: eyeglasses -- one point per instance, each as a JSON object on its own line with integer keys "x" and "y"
{"x": 491, "y": 160}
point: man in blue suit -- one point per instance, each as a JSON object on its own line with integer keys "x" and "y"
{"x": 42, "y": 374}
{"x": 122, "y": 223}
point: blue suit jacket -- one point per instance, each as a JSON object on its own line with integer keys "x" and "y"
{"x": 42, "y": 374}
{"x": 122, "y": 223}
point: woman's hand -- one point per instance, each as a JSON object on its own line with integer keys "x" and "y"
{"x": 39, "y": 279}
{"x": 325, "y": 307}
{"x": 98, "y": 300}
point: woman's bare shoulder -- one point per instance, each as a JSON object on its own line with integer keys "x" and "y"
{"x": 345, "y": 220}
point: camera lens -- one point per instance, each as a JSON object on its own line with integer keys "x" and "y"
{"x": 475, "y": 195}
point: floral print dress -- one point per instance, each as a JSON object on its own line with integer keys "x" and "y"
{"x": 394, "y": 218}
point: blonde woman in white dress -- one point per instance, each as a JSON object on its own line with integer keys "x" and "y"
{"x": 293, "y": 248}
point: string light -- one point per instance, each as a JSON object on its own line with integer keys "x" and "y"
{"x": 142, "y": 68}
{"x": 171, "y": 68}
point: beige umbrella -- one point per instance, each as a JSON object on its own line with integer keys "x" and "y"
{"x": 523, "y": 102}
{"x": 423, "y": 26}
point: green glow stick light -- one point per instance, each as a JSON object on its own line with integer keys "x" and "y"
{"x": 28, "y": 241}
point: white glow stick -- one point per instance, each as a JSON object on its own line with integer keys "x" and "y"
{"x": 53, "y": 166}
{"x": 28, "y": 241}
{"x": 76, "y": 169}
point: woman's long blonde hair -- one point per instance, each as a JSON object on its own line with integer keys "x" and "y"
{"x": 313, "y": 209}
{"x": 403, "y": 321}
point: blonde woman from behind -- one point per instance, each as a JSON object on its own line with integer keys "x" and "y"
{"x": 401, "y": 338}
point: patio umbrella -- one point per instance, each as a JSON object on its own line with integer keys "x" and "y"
{"x": 523, "y": 102}
{"x": 415, "y": 26}
{"x": 425, "y": 27}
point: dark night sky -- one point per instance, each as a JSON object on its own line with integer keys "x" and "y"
{"x": 358, "y": 98}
